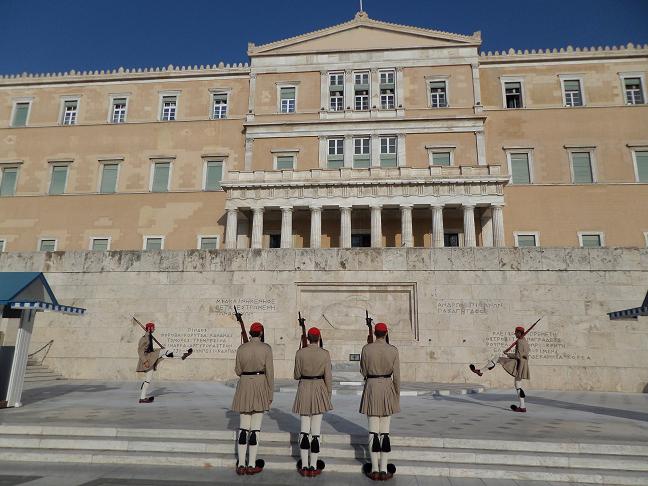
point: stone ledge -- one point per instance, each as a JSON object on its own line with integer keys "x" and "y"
{"x": 333, "y": 259}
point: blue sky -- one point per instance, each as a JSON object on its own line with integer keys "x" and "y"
{"x": 59, "y": 35}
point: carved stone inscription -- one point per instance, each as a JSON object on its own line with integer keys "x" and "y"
{"x": 543, "y": 344}
{"x": 468, "y": 307}
{"x": 225, "y": 306}
{"x": 203, "y": 341}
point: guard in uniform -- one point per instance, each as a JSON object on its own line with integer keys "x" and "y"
{"x": 313, "y": 370}
{"x": 149, "y": 359}
{"x": 380, "y": 366}
{"x": 253, "y": 396}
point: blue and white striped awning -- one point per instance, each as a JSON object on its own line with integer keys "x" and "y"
{"x": 631, "y": 313}
{"x": 45, "y": 306}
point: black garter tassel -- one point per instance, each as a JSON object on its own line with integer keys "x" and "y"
{"x": 375, "y": 443}
{"x": 253, "y": 438}
{"x": 304, "y": 444}
{"x": 243, "y": 437}
{"x": 386, "y": 444}
{"x": 315, "y": 444}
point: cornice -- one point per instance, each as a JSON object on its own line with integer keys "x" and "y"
{"x": 568, "y": 53}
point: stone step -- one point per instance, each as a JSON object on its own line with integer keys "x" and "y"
{"x": 340, "y": 465}
{"x": 269, "y": 448}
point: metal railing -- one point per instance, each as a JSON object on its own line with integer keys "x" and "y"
{"x": 46, "y": 347}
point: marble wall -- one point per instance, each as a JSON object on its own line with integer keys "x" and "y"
{"x": 446, "y": 308}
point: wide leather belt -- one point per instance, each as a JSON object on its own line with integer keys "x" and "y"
{"x": 321, "y": 377}
{"x": 379, "y": 376}
{"x": 248, "y": 373}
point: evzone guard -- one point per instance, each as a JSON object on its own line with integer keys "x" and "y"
{"x": 149, "y": 358}
{"x": 516, "y": 364}
{"x": 253, "y": 395}
{"x": 380, "y": 366}
{"x": 313, "y": 370}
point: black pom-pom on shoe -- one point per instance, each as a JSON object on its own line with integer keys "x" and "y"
{"x": 391, "y": 469}
{"x": 260, "y": 463}
{"x": 320, "y": 465}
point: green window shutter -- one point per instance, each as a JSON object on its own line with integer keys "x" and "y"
{"x": 435, "y": 85}
{"x": 582, "y": 167}
{"x": 572, "y": 85}
{"x": 161, "y": 177}
{"x": 361, "y": 161}
{"x": 591, "y": 241}
{"x": 441, "y": 158}
{"x": 209, "y": 243}
{"x": 642, "y": 166}
{"x": 153, "y": 243}
{"x": 59, "y": 177}
{"x": 100, "y": 244}
{"x": 47, "y": 245}
{"x": 388, "y": 160}
{"x": 526, "y": 240}
{"x": 20, "y": 115}
{"x": 109, "y": 178}
{"x": 214, "y": 176}
{"x": 520, "y": 173}
{"x": 287, "y": 93}
{"x": 285, "y": 162}
{"x": 335, "y": 161}
{"x": 8, "y": 183}
{"x": 220, "y": 97}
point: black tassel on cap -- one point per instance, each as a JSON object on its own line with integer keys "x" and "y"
{"x": 304, "y": 444}
{"x": 321, "y": 343}
{"x": 315, "y": 444}
{"x": 386, "y": 444}
{"x": 375, "y": 443}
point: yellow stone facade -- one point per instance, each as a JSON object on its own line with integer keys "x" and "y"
{"x": 388, "y": 187}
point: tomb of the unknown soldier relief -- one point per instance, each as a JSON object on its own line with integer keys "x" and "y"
{"x": 370, "y": 219}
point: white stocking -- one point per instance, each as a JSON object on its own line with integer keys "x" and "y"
{"x": 244, "y": 428}
{"x": 316, "y": 427}
{"x": 305, "y": 429}
{"x": 148, "y": 377}
{"x": 518, "y": 389}
{"x": 374, "y": 429}
{"x": 385, "y": 422}
{"x": 255, "y": 427}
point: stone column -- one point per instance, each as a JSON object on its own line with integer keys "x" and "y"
{"x": 487, "y": 228}
{"x": 470, "y": 240}
{"x": 437, "y": 226}
{"x": 323, "y": 152}
{"x": 345, "y": 226}
{"x": 19, "y": 364}
{"x": 286, "y": 227}
{"x": 316, "y": 227}
{"x": 251, "y": 107}
{"x": 231, "y": 231}
{"x": 348, "y": 151}
{"x": 498, "y": 225}
{"x": 375, "y": 151}
{"x": 407, "y": 237}
{"x": 376, "y": 226}
{"x": 400, "y": 150}
{"x": 399, "y": 87}
{"x": 257, "y": 228}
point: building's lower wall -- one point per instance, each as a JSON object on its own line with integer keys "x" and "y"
{"x": 446, "y": 308}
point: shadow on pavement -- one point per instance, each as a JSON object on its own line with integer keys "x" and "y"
{"x": 31, "y": 396}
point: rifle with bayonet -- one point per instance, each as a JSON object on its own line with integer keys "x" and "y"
{"x": 239, "y": 318}
{"x": 302, "y": 324}
{"x": 369, "y": 320}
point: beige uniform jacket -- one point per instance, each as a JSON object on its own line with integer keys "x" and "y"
{"x": 147, "y": 361}
{"x": 381, "y": 396}
{"x": 253, "y": 392}
{"x": 313, "y": 396}
{"x": 517, "y": 364}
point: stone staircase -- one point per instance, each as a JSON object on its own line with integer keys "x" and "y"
{"x": 460, "y": 458}
{"x": 39, "y": 374}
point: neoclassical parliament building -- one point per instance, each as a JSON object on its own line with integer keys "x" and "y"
{"x": 363, "y": 134}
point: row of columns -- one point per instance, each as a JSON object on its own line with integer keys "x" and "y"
{"x": 470, "y": 237}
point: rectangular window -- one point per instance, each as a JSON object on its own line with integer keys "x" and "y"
{"x": 335, "y": 158}
{"x": 169, "y": 107}
{"x": 287, "y": 100}
{"x": 219, "y": 106}
{"x": 582, "y": 168}
{"x": 573, "y": 94}
{"x": 21, "y": 112}
{"x": 388, "y": 157}
{"x": 525, "y": 240}
{"x": 520, "y": 170}
{"x": 70, "y": 111}
{"x": 641, "y": 162}
{"x": 47, "y": 245}
{"x": 361, "y": 153}
{"x": 513, "y": 94}
{"x": 387, "y": 90}
{"x": 633, "y": 91}
{"x": 438, "y": 94}
{"x": 213, "y": 175}
{"x": 161, "y": 172}
{"x": 59, "y": 179}
{"x": 8, "y": 178}
{"x": 209, "y": 242}
{"x": 100, "y": 244}
{"x": 361, "y": 90}
{"x": 441, "y": 158}
{"x": 285, "y": 162}
{"x": 118, "y": 110}
{"x": 153, "y": 242}
{"x": 336, "y": 91}
{"x": 590, "y": 240}
{"x": 2, "y": 245}
{"x": 109, "y": 178}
